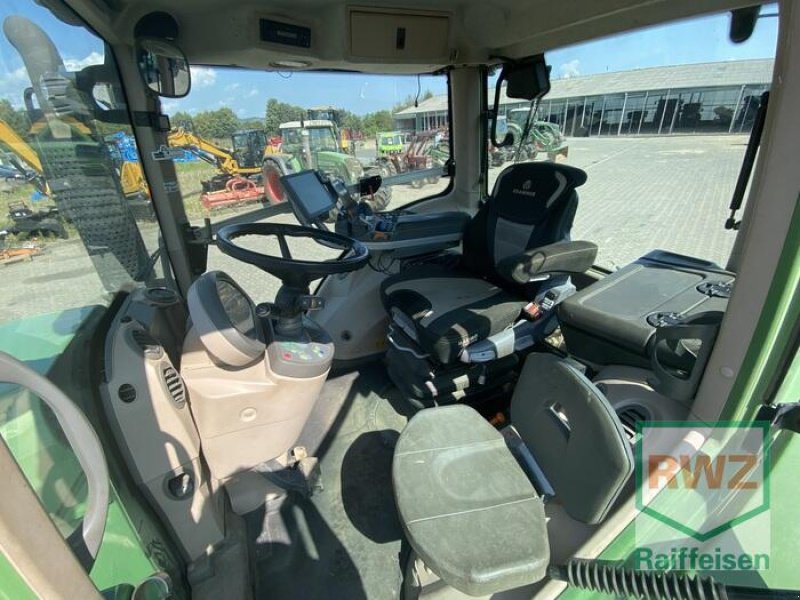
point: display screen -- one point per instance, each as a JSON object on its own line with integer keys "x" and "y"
{"x": 308, "y": 195}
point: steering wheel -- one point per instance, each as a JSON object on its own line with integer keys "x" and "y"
{"x": 293, "y": 272}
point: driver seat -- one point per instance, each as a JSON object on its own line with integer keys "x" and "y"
{"x": 442, "y": 313}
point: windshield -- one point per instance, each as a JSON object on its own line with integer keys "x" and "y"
{"x": 659, "y": 119}
{"x": 338, "y": 123}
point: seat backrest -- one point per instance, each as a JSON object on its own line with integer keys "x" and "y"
{"x": 573, "y": 434}
{"x": 533, "y": 204}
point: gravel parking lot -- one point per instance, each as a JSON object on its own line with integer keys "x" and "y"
{"x": 642, "y": 193}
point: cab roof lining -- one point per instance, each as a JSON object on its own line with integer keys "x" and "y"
{"x": 221, "y": 33}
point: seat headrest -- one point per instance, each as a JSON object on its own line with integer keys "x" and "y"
{"x": 574, "y": 435}
{"x": 525, "y": 192}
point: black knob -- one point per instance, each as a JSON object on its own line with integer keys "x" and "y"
{"x": 181, "y": 486}
{"x": 264, "y": 310}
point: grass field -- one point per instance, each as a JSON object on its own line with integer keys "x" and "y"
{"x": 190, "y": 176}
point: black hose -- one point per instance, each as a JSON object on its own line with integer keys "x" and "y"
{"x": 615, "y": 580}
{"x": 39, "y": 54}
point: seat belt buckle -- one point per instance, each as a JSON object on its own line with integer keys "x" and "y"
{"x": 549, "y": 301}
{"x": 532, "y": 311}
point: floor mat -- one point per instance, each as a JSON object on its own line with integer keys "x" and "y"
{"x": 344, "y": 542}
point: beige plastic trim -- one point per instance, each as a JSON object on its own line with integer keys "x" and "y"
{"x": 358, "y": 293}
{"x": 33, "y": 545}
{"x": 247, "y": 415}
{"x": 159, "y": 441}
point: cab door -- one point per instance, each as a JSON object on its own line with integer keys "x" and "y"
{"x": 56, "y": 301}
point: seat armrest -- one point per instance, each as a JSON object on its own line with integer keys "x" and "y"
{"x": 539, "y": 263}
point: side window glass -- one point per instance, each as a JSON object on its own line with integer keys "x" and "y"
{"x": 659, "y": 119}
{"x": 76, "y": 227}
{"x": 76, "y": 222}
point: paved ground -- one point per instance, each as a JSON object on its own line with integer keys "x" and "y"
{"x": 642, "y": 193}
{"x": 646, "y": 193}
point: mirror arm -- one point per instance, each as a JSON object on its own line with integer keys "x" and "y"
{"x": 508, "y": 140}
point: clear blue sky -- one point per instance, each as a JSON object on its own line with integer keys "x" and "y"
{"x": 698, "y": 40}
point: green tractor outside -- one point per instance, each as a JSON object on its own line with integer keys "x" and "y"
{"x": 389, "y": 142}
{"x": 314, "y": 144}
{"x": 425, "y": 151}
{"x": 544, "y": 138}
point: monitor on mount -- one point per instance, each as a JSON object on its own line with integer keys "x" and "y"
{"x": 309, "y": 196}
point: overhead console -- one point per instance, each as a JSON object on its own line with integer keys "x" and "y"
{"x": 314, "y": 198}
{"x": 392, "y": 35}
{"x": 661, "y": 312}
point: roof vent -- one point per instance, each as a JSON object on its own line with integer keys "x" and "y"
{"x": 629, "y": 417}
{"x": 175, "y": 386}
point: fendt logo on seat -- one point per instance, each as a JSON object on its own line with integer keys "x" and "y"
{"x": 525, "y": 191}
{"x": 703, "y": 493}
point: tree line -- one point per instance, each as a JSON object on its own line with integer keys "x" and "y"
{"x": 221, "y": 123}
{"x": 16, "y": 119}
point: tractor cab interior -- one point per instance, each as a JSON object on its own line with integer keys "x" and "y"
{"x": 434, "y": 398}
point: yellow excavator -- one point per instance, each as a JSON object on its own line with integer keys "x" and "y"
{"x": 17, "y": 148}
{"x": 239, "y": 180}
{"x": 131, "y": 178}
{"x": 231, "y": 185}
{"x": 27, "y": 162}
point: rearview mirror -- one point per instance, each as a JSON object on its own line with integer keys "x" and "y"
{"x": 743, "y": 23}
{"x": 163, "y": 68}
{"x": 526, "y": 79}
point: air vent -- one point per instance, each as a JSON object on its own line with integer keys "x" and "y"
{"x": 147, "y": 343}
{"x": 174, "y": 385}
{"x": 629, "y": 417}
